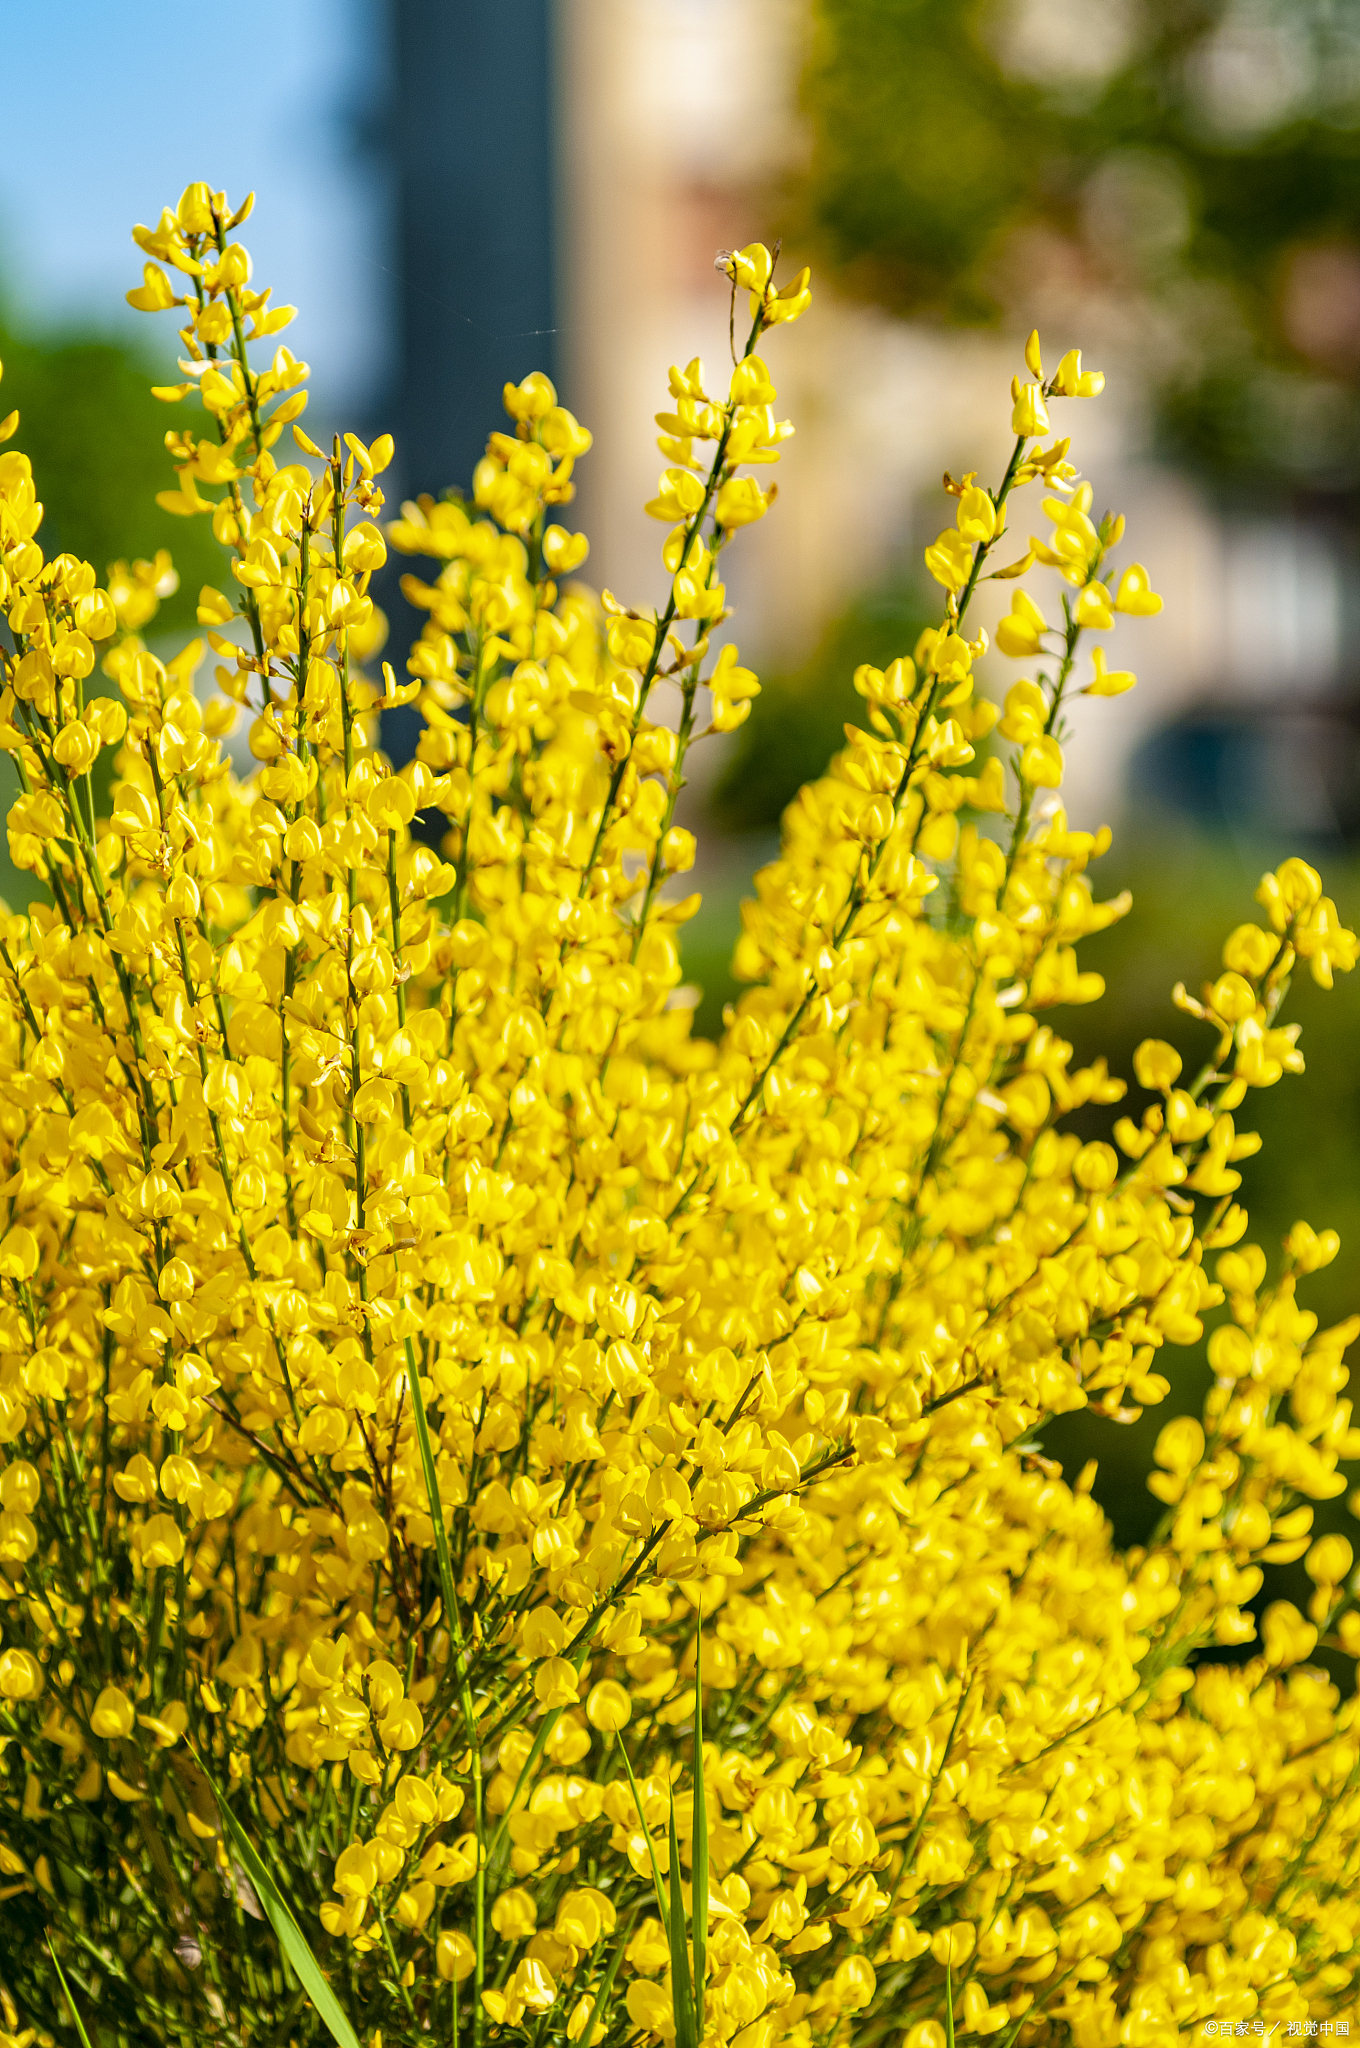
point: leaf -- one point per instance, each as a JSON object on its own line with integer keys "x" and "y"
{"x": 662, "y": 1905}
{"x": 682, "y": 1997}
{"x": 61, "y": 1979}
{"x": 672, "y": 1915}
{"x": 545, "y": 1729}
{"x": 699, "y": 1837}
{"x": 587, "y": 2035}
{"x": 427, "y": 1465}
{"x": 291, "y": 1938}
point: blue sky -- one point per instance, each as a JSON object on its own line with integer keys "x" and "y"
{"x": 113, "y": 106}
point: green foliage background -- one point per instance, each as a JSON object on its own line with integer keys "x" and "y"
{"x": 931, "y": 162}
{"x": 96, "y": 439}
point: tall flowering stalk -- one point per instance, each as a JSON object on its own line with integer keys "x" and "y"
{"x": 522, "y": 1524}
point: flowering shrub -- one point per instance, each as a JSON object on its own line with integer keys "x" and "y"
{"x": 523, "y": 1524}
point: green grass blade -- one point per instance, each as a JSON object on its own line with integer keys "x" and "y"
{"x": 672, "y": 1915}
{"x": 682, "y": 1997}
{"x": 662, "y": 1906}
{"x": 602, "y": 1996}
{"x": 427, "y": 1466}
{"x": 61, "y": 1979}
{"x": 290, "y": 1936}
{"x": 699, "y": 1839}
{"x": 545, "y": 1729}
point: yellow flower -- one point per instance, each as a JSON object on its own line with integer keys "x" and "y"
{"x": 473, "y": 1424}
{"x": 608, "y": 1705}
{"x": 740, "y": 501}
{"x": 1108, "y": 682}
{"x": 113, "y": 1714}
{"x": 949, "y": 558}
{"x": 1020, "y": 631}
{"x": 1071, "y": 381}
{"x": 1042, "y": 762}
{"x": 1092, "y": 607}
{"x": 1029, "y": 415}
{"x": 513, "y": 1914}
{"x": 1135, "y": 593}
{"x": 1325, "y": 943}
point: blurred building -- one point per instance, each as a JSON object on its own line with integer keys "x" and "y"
{"x": 471, "y": 135}
{"x": 677, "y": 124}
{"x": 458, "y": 191}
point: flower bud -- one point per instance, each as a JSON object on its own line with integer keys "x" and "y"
{"x": 454, "y": 1958}
{"x": 113, "y": 1714}
{"x": 514, "y": 1915}
{"x": 21, "y": 1675}
{"x": 608, "y": 1706}
{"x": 1329, "y": 1560}
{"x": 182, "y": 899}
{"x": 18, "y": 1254}
{"x": 1233, "y": 998}
{"x": 1157, "y": 1065}
{"x": 20, "y": 1487}
{"x": 1288, "y": 1638}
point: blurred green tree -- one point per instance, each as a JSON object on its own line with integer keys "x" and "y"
{"x": 1196, "y": 160}
{"x": 798, "y": 721}
{"x": 96, "y": 439}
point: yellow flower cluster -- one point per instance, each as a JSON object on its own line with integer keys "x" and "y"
{"x": 568, "y": 1493}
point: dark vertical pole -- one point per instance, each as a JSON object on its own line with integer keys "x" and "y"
{"x": 472, "y": 145}
{"x": 473, "y": 150}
